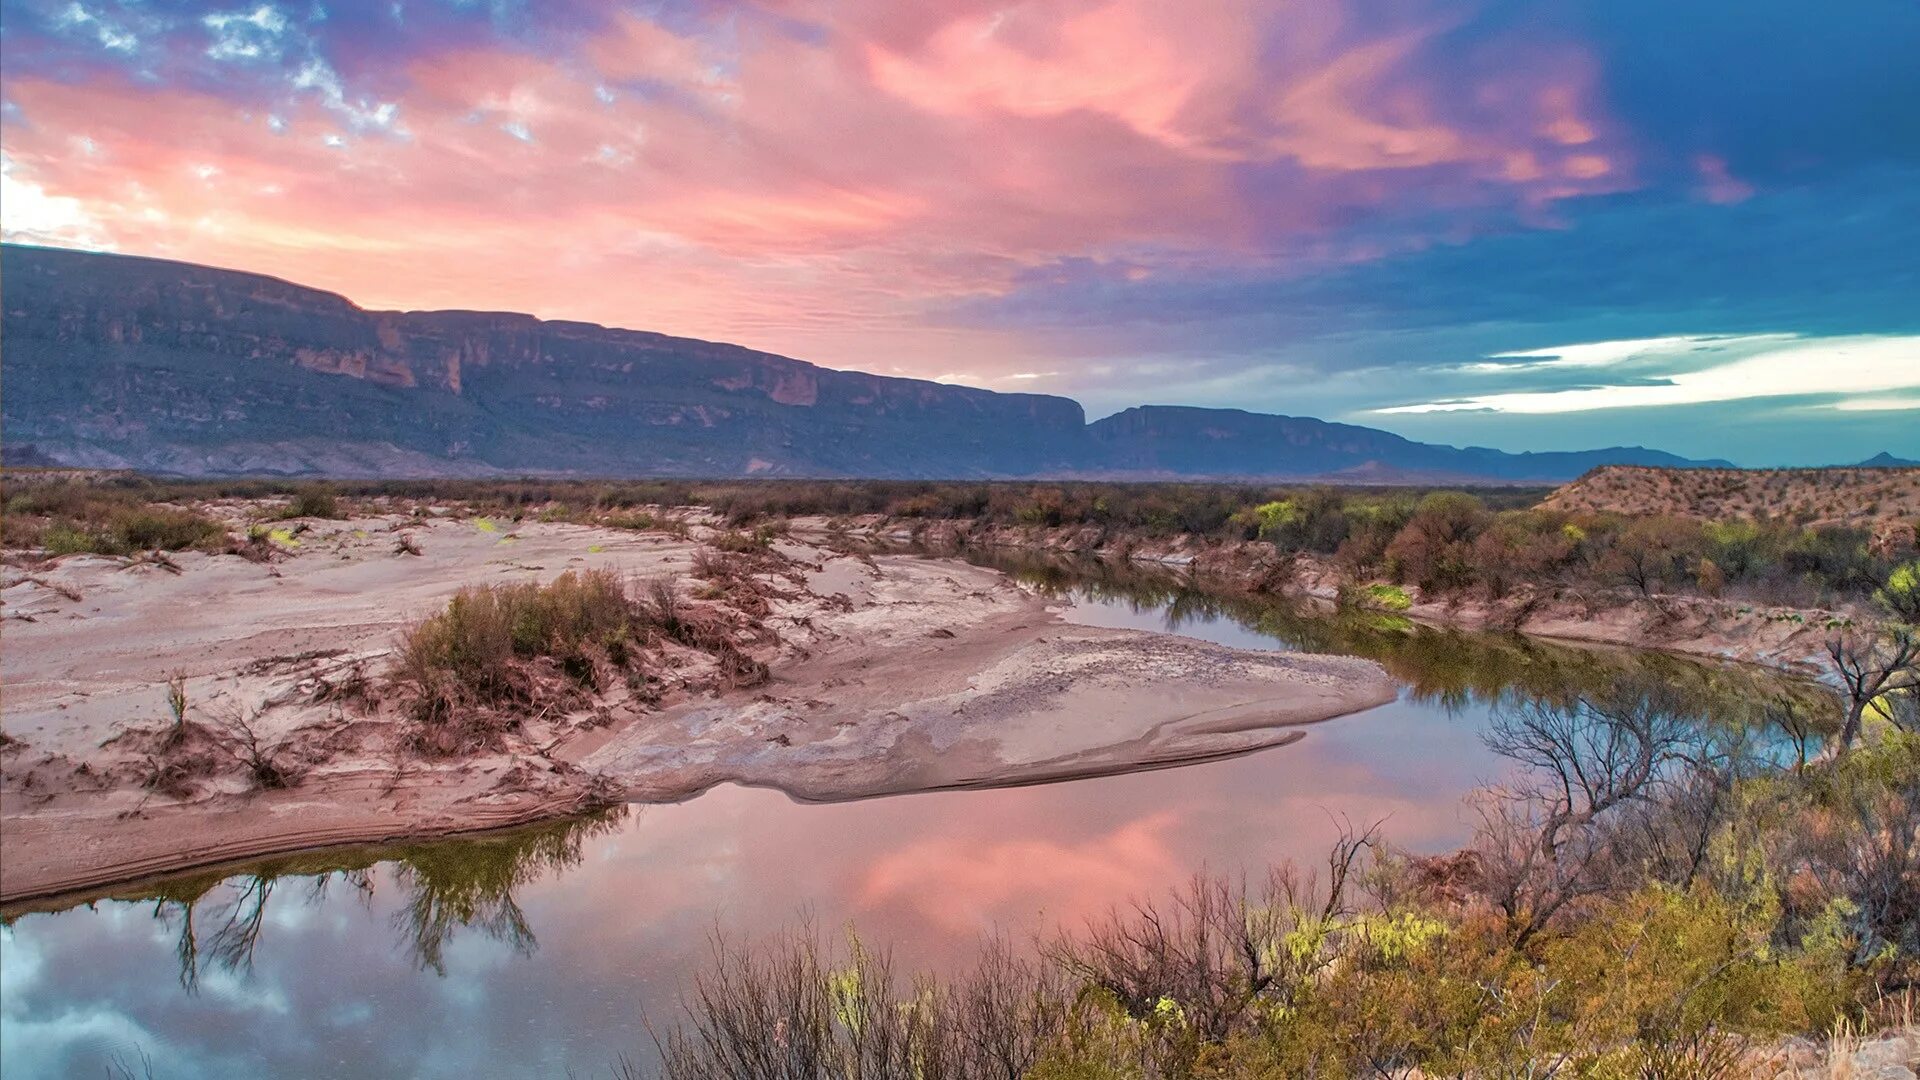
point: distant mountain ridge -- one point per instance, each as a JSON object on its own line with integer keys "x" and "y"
{"x": 116, "y": 361}
{"x": 1189, "y": 441}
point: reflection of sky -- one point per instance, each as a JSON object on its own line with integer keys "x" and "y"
{"x": 334, "y": 991}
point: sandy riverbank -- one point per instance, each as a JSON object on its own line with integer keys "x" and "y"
{"x": 889, "y": 674}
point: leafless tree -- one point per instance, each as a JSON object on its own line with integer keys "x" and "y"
{"x": 241, "y": 918}
{"x": 1601, "y": 776}
{"x": 1790, "y": 718}
{"x": 121, "y": 1067}
{"x": 237, "y": 918}
{"x": 1869, "y": 665}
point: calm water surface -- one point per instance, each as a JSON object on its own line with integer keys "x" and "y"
{"x": 547, "y": 950}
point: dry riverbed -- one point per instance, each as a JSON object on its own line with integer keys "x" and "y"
{"x": 888, "y": 674}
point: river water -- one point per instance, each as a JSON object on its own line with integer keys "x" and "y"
{"x": 550, "y": 949}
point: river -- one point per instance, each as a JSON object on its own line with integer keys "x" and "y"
{"x": 550, "y": 949}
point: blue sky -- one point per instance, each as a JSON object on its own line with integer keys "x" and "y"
{"x": 1532, "y": 226}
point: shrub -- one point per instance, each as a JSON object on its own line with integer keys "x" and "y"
{"x": 500, "y": 651}
{"x": 636, "y": 521}
{"x": 1901, "y": 594}
{"x": 1651, "y": 553}
{"x": 1709, "y": 577}
{"x": 1386, "y": 597}
{"x": 1524, "y": 546}
{"x": 67, "y": 540}
{"x": 166, "y": 529}
{"x": 740, "y": 542}
{"x": 124, "y": 530}
{"x": 1435, "y": 548}
{"x": 493, "y": 644}
{"x": 314, "y": 502}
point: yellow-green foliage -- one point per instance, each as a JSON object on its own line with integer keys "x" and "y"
{"x": 1901, "y": 594}
{"x": 1665, "y": 966}
{"x": 1271, "y": 517}
{"x": 1836, "y": 845}
{"x": 739, "y": 542}
{"x": 1387, "y": 597}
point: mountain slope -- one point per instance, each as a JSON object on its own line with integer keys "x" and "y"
{"x": 117, "y": 361}
{"x": 188, "y": 369}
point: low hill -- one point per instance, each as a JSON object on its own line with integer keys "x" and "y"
{"x": 121, "y": 362}
{"x": 1856, "y": 495}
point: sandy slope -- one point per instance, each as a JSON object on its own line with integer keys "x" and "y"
{"x": 893, "y": 674}
{"x": 1864, "y": 497}
{"x": 948, "y": 675}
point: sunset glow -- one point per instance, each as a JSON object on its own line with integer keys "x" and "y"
{"x": 1122, "y": 201}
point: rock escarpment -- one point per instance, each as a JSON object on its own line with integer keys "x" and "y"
{"x": 120, "y": 362}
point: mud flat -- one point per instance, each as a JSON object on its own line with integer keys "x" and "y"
{"x": 888, "y": 674}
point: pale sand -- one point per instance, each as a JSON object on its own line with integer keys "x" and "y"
{"x": 921, "y": 674}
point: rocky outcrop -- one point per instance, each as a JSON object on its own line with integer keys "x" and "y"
{"x": 120, "y": 362}
{"x": 114, "y": 361}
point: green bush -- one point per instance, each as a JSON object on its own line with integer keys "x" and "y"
{"x": 1386, "y": 597}
{"x": 67, "y": 540}
{"x": 1901, "y": 594}
{"x": 314, "y": 502}
{"x": 166, "y": 529}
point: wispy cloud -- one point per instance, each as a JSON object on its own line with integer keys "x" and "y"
{"x": 1291, "y": 206}
{"x": 1668, "y": 371}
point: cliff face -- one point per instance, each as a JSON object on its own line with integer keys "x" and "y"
{"x": 158, "y": 365}
{"x": 119, "y": 362}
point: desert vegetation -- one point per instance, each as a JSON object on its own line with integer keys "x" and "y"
{"x": 67, "y": 518}
{"x": 500, "y": 654}
{"x": 1650, "y": 897}
{"x": 1860, "y": 496}
{"x": 1476, "y": 545}
{"x": 1485, "y": 542}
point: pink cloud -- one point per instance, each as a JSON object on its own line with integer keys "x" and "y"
{"x": 1717, "y": 184}
{"x": 816, "y": 193}
{"x": 983, "y": 877}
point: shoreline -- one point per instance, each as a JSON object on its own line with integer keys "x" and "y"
{"x": 1781, "y": 638}
{"x": 837, "y": 722}
{"x": 889, "y": 676}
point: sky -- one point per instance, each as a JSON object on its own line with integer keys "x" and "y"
{"x": 1551, "y": 224}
